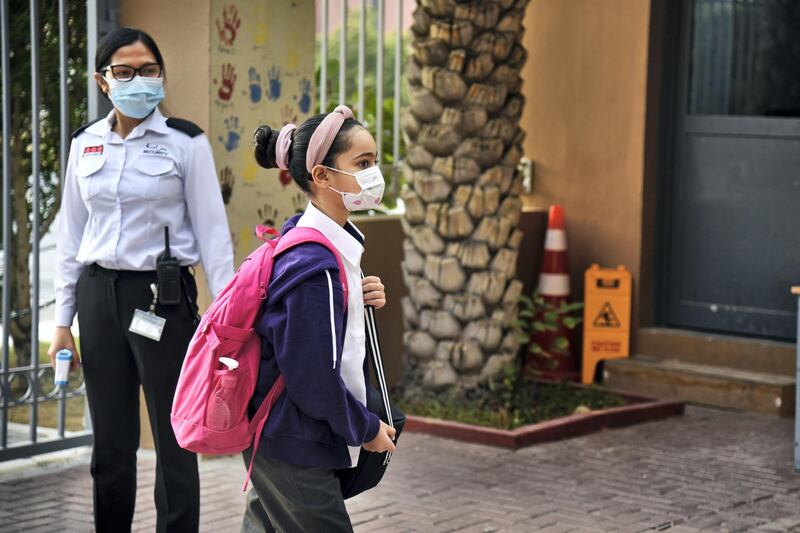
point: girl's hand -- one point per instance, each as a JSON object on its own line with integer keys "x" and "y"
{"x": 383, "y": 440}
{"x": 373, "y": 290}
{"x": 62, "y": 338}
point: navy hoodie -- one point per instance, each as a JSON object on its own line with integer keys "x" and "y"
{"x": 316, "y": 418}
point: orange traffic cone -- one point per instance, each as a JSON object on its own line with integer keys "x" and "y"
{"x": 554, "y": 274}
{"x": 554, "y": 288}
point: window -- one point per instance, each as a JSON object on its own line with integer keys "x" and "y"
{"x": 745, "y": 58}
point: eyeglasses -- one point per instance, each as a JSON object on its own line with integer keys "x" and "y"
{"x": 127, "y": 72}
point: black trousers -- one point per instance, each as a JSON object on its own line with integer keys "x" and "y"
{"x": 115, "y": 363}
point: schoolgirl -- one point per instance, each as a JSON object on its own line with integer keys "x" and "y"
{"x": 321, "y": 422}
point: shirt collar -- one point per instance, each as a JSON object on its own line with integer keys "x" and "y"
{"x": 155, "y": 122}
{"x": 348, "y": 245}
{"x": 354, "y": 231}
{"x": 102, "y": 127}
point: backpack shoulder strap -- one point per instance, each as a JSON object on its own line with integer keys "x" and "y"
{"x": 303, "y": 235}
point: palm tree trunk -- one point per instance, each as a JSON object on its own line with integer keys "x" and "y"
{"x": 462, "y": 204}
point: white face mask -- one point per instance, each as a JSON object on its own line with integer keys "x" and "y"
{"x": 372, "y": 186}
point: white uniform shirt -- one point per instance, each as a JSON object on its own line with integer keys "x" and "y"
{"x": 120, "y": 193}
{"x": 355, "y": 337}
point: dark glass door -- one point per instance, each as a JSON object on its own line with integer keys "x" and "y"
{"x": 734, "y": 203}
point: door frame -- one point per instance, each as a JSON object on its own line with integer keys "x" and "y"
{"x": 670, "y": 43}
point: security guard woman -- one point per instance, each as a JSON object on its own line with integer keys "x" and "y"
{"x": 130, "y": 175}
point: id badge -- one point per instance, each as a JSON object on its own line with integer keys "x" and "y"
{"x": 147, "y": 325}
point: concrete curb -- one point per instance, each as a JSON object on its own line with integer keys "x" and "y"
{"x": 560, "y": 428}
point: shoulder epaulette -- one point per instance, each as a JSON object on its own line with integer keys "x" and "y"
{"x": 186, "y": 126}
{"x": 83, "y": 127}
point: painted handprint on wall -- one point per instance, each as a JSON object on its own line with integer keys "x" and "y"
{"x": 274, "y": 75}
{"x": 285, "y": 177}
{"x": 228, "y": 80}
{"x": 233, "y": 135}
{"x": 299, "y": 202}
{"x": 288, "y": 116}
{"x": 268, "y": 215}
{"x": 305, "y": 96}
{"x": 226, "y": 182}
{"x": 260, "y": 34}
{"x": 255, "y": 85}
{"x": 229, "y": 27}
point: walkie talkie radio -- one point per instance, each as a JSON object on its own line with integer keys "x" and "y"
{"x": 168, "y": 272}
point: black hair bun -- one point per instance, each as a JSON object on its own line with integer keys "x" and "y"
{"x": 266, "y": 141}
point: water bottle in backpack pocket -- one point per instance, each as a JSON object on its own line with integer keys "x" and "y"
{"x": 225, "y": 403}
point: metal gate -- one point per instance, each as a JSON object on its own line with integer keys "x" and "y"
{"x": 34, "y": 411}
{"x": 379, "y": 79}
{"x": 29, "y": 389}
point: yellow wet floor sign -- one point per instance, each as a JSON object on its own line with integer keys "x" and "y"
{"x": 607, "y": 317}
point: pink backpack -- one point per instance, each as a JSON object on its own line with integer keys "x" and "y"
{"x": 209, "y": 410}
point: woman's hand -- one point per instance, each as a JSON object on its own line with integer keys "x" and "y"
{"x": 383, "y": 440}
{"x": 373, "y": 290}
{"x": 62, "y": 339}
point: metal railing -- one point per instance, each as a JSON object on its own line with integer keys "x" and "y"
{"x": 361, "y": 66}
{"x": 6, "y": 97}
{"x": 31, "y": 385}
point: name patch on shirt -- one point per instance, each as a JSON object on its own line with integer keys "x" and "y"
{"x": 93, "y": 150}
{"x": 155, "y": 149}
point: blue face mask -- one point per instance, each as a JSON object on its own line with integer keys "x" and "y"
{"x": 136, "y": 98}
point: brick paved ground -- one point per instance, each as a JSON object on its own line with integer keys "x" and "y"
{"x": 708, "y": 471}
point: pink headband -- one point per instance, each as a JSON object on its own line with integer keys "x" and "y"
{"x": 282, "y": 147}
{"x": 323, "y": 136}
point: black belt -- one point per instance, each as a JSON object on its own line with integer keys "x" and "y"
{"x": 94, "y": 268}
{"x": 186, "y": 271}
